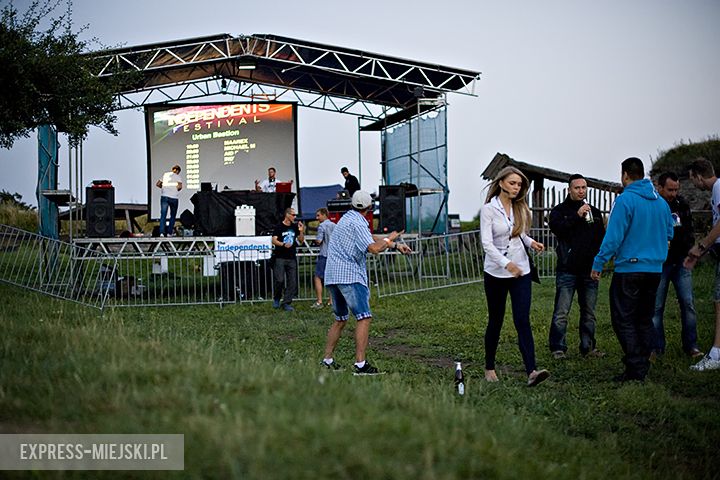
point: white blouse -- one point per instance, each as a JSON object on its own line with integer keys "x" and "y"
{"x": 500, "y": 249}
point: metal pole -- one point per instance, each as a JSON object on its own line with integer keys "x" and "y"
{"x": 81, "y": 190}
{"x": 70, "y": 165}
{"x": 419, "y": 209}
{"x": 360, "y": 155}
{"x": 410, "y": 167}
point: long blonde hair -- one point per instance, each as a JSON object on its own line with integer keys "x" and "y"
{"x": 520, "y": 208}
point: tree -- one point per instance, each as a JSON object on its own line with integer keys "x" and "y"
{"x": 14, "y": 199}
{"x": 47, "y": 76}
{"x": 678, "y": 158}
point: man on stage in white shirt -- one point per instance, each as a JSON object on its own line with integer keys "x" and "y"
{"x": 267, "y": 185}
{"x": 170, "y": 184}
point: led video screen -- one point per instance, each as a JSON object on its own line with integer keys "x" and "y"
{"x": 227, "y": 145}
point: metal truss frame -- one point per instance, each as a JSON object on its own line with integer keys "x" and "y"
{"x": 144, "y": 247}
{"x": 268, "y": 67}
{"x": 253, "y": 92}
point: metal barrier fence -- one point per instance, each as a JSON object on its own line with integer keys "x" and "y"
{"x": 183, "y": 271}
{"x": 436, "y": 262}
{"x": 51, "y": 267}
{"x": 445, "y": 261}
{"x": 188, "y": 271}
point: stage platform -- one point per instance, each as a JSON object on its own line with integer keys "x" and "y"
{"x": 143, "y": 247}
{"x": 146, "y": 247}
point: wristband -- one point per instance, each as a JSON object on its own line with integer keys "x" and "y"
{"x": 388, "y": 242}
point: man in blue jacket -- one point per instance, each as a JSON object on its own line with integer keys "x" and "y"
{"x": 637, "y": 236}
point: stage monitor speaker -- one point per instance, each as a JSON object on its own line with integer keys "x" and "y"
{"x": 100, "y": 212}
{"x": 187, "y": 219}
{"x": 392, "y": 208}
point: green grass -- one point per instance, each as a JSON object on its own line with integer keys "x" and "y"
{"x": 243, "y": 384}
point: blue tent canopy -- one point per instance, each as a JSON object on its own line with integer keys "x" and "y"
{"x": 312, "y": 198}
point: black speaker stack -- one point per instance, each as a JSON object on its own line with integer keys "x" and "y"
{"x": 392, "y": 208}
{"x": 100, "y": 209}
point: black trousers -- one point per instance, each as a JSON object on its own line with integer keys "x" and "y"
{"x": 632, "y": 305}
{"x": 496, "y": 291}
{"x": 285, "y": 277}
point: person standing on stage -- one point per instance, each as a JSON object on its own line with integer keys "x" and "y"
{"x": 267, "y": 185}
{"x": 325, "y": 229}
{"x": 579, "y": 230}
{"x": 347, "y": 281}
{"x": 702, "y": 175}
{"x": 638, "y": 232}
{"x": 668, "y": 186}
{"x": 284, "y": 239}
{"x": 170, "y": 184}
{"x": 351, "y": 182}
{"x": 504, "y": 223}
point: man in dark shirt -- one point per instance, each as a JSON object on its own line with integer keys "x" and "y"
{"x": 673, "y": 271}
{"x": 285, "y": 260}
{"x": 351, "y": 182}
{"x": 579, "y": 230}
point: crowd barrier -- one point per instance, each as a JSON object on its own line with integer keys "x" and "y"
{"x": 100, "y": 278}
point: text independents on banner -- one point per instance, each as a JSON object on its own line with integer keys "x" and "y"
{"x": 228, "y": 249}
{"x": 228, "y": 145}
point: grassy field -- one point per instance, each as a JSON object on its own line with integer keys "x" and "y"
{"x": 243, "y": 383}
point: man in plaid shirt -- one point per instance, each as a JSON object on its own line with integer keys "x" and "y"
{"x": 347, "y": 281}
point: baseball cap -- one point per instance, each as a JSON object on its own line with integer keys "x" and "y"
{"x": 361, "y": 200}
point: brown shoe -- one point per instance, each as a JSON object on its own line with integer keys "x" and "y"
{"x": 537, "y": 377}
{"x": 595, "y": 353}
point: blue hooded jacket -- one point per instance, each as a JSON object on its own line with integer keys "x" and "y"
{"x": 638, "y": 231}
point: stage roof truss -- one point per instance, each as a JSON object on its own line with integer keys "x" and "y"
{"x": 250, "y": 92}
{"x": 339, "y": 79}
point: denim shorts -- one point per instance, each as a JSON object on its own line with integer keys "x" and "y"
{"x": 352, "y": 296}
{"x": 320, "y": 267}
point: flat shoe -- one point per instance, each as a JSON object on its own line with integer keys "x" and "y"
{"x": 540, "y": 376}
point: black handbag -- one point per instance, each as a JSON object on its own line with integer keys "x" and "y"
{"x": 534, "y": 274}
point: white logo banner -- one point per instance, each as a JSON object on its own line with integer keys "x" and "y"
{"x": 248, "y": 249}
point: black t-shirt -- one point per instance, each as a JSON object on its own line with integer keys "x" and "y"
{"x": 286, "y": 234}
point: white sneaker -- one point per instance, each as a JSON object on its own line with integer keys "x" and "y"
{"x": 706, "y": 363}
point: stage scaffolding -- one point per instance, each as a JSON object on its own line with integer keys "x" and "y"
{"x": 415, "y": 152}
{"x": 264, "y": 67}
{"x": 381, "y": 91}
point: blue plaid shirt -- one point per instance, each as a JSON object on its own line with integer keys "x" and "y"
{"x": 347, "y": 253}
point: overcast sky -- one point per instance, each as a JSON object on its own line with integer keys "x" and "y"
{"x": 573, "y": 85}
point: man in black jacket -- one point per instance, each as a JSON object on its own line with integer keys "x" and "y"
{"x": 579, "y": 230}
{"x": 668, "y": 186}
{"x": 351, "y": 182}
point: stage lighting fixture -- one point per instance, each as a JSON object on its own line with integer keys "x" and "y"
{"x": 223, "y": 86}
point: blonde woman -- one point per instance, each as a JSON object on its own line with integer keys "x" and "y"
{"x": 504, "y": 223}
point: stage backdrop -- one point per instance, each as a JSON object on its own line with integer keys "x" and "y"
{"x": 228, "y": 145}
